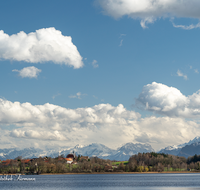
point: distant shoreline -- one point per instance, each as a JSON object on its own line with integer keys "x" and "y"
{"x": 167, "y": 172}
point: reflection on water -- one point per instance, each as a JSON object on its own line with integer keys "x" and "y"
{"x": 107, "y": 182}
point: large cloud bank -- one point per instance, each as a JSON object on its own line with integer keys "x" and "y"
{"x": 25, "y": 124}
{"x": 50, "y": 115}
{"x": 149, "y": 10}
{"x": 52, "y": 122}
{"x": 169, "y": 101}
{"x": 47, "y": 44}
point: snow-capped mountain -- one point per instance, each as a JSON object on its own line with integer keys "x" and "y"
{"x": 15, "y": 152}
{"x": 92, "y": 150}
{"x": 129, "y": 149}
{"x": 195, "y": 140}
{"x": 176, "y": 149}
{"x": 102, "y": 151}
{"x": 190, "y": 150}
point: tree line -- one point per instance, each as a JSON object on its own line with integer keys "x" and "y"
{"x": 141, "y": 162}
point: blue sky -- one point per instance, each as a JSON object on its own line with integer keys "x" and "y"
{"x": 129, "y": 72}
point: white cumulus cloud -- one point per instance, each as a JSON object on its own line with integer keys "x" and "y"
{"x": 169, "y": 101}
{"x": 53, "y": 116}
{"x": 43, "y": 45}
{"x": 164, "y": 131}
{"x": 149, "y": 10}
{"x": 43, "y": 135}
{"x": 30, "y": 72}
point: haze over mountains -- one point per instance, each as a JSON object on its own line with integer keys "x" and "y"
{"x": 99, "y": 150}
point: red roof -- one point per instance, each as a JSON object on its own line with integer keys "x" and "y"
{"x": 26, "y": 161}
{"x": 6, "y": 162}
{"x": 69, "y": 159}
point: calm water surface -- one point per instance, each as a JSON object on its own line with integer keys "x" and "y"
{"x": 107, "y": 182}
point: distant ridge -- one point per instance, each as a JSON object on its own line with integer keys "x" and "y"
{"x": 92, "y": 150}
{"x": 187, "y": 149}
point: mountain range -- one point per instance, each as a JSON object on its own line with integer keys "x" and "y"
{"x": 99, "y": 150}
{"x": 92, "y": 150}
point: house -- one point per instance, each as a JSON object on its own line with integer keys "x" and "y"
{"x": 60, "y": 158}
{"x": 84, "y": 158}
{"x": 26, "y": 161}
{"x": 9, "y": 162}
{"x": 6, "y": 162}
{"x": 108, "y": 168}
{"x": 69, "y": 160}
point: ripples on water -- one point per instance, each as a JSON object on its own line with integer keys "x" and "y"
{"x": 107, "y": 182}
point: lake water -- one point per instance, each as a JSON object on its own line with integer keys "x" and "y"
{"x": 106, "y": 182}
